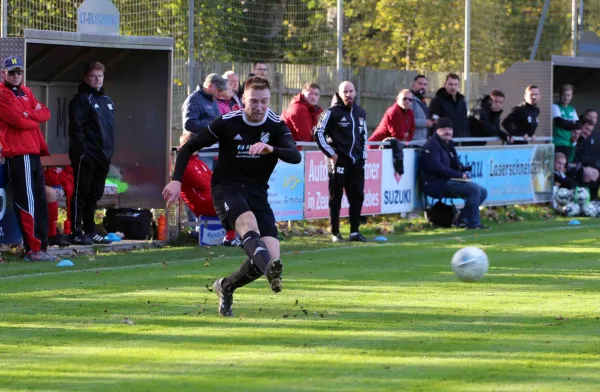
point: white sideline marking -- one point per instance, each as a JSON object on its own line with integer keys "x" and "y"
{"x": 453, "y": 237}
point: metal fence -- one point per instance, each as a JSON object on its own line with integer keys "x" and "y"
{"x": 298, "y": 37}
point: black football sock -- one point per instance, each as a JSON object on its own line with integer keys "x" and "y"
{"x": 247, "y": 273}
{"x": 256, "y": 250}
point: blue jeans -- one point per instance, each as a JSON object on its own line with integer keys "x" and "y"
{"x": 474, "y": 196}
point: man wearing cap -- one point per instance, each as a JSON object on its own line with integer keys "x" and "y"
{"x": 444, "y": 176}
{"x": 200, "y": 107}
{"x": 23, "y": 144}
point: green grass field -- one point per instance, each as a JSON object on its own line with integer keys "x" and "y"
{"x": 351, "y": 318}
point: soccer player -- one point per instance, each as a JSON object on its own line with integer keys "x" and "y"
{"x": 251, "y": 141}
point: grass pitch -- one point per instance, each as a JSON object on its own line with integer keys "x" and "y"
{"x": 370, "y": 317}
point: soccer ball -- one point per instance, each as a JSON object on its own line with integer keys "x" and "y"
{"x": 563, "y": 196}
{"x": 571, "y": 209}
{"x": 470, "y": 264}
{"x": 581, "y": 196}
{"x": 590, "y": 209}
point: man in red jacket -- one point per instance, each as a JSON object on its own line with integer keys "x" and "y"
{"x": 398, "y": 121}
{"x": 302, "y": 116}
{"x": 196, "y": 191}
{"x": 22, "y": 145}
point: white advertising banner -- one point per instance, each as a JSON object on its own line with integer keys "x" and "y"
{"x": 398, "y": 192}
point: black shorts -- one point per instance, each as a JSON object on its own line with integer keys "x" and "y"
{"x": 232, "y": 200}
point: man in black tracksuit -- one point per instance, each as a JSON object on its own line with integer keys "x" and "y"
{"x": 91, "y": 146}
{"x": 523, "y": 120}
{"x": 342, "y": 136}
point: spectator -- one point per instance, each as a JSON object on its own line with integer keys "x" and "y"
{"x": 584, "y": 150}
{"x": 196, "y": 190}
{"x": 560, "y": 169}
{"x": 224, "y": 100}
{"x": 585, "y": 176}
{"x": 342, "y": 136}
{"x": 234, "y": 84}
{"x": 23, "y": 145}
{"x": 54, "y": 239}
{"x": 398, "y": 121}
{"x": 198, "y": 111}
{"x": 449, "y": 103}
{"x": 419, "y": 108}
{"x": 590, "y": 115}
{"x": 523, "y": 120}
{"x": 444, "y": 176}
{"x": 91, "y": 147}
{"x": 200, "y": 108}
{"x": 259, "y": 68}
{"x": 484, "y": 119}
{"x": 302, "y": 116}
{"x": 564, "y": 121}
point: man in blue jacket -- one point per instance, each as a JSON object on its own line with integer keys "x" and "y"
{"x": 444, "y": 176}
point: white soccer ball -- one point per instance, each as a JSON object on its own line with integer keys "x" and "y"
{"x": 470, "y": 264}
{"x": 581, "y": 196}
{"x": 563, "y": 196}
{"x": 571, "y": 209}
{"x": 590, "y": 209}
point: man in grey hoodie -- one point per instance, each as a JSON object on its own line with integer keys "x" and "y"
{"x": 422, "y": 121}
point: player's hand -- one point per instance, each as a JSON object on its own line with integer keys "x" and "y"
{"x": 333, "y": 159}
{"x": 465, "y": 175}
{"x": 429, "y": 123}
{"x": 532, "y": 138}
{"x": 171, "y": 192}
{"x": 526, "y": 137}
{"x": 260, "y": 148}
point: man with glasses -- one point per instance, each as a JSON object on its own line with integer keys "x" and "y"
{"x": 23, "y": 144}
{"x": 484, "y": 119}
{"x": 398, "y": 121}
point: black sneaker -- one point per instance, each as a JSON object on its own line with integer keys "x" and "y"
{"x": 58, "y": 240}
{"x": 81, "y": 239}
{"x": 225, "y": 299}
{"x": 234, "y": 242}
{"x": 98, "y": 239}
{"x": 357, "y": 237}
{"x": 337, "y": 238}
{"x": 274, "y": 274}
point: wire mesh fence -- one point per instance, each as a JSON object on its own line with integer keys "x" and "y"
{"x": 299, "y": 36}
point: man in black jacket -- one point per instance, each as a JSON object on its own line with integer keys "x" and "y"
{"x": 342, "y": 136}
{"x": 449, "y": 103}
{"x": 484, "y": 119}
{"x": 523, "y": 120}
{"x": 91, "y": 147}
{"x": 444, "y": 176}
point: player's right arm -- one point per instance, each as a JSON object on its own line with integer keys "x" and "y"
{"x": 321, "y": 132}
{"x": 205, "y": 138}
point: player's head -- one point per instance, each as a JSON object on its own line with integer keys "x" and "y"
{"x": 93, "y": 74}
{"x": 347, "y": 93}
{"x": 560, "y": 162}
{"x": 257, "y": 94}
{"x": 259, "y": 68}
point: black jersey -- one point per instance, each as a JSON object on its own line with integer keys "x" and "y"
{"x": 235, "y": 135}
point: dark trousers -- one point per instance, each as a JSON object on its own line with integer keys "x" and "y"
{"x": 26, "y": 176}
{"x": 90, "y": 175}
{"x": 474, "y": 196}
{"x": 352, "y": 180}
